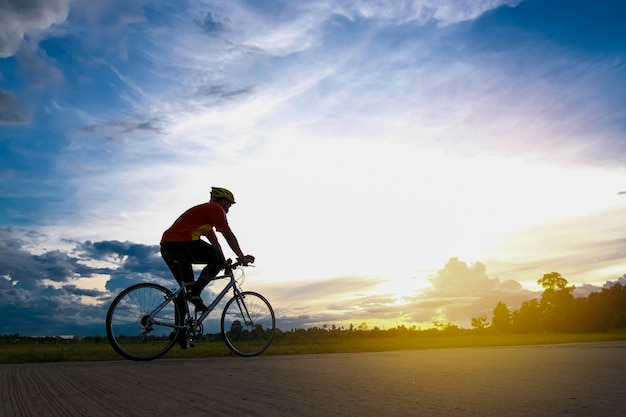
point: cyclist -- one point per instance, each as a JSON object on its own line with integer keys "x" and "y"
{"x": 182, "y": 246}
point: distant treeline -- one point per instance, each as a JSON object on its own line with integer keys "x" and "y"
{"x": 558, "y": 311}
{"x": 47, "y": 340}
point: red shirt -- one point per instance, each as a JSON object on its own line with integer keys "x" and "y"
{"x": 197, "y": 221}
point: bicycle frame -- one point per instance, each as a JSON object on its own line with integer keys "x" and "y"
{"x": 228, "y": 273}
{"x": 231, "y": 284}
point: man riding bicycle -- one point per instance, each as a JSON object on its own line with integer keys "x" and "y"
{"x": 182, "y": 246}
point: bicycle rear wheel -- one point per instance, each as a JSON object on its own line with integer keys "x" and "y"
{"x": 248, "y": 324}
{"x": 134, "y": 326}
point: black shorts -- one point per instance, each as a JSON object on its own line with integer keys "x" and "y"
{"x": 180, "y": 256}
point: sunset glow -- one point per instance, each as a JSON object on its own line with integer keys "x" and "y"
{"x": 391, "y": 164}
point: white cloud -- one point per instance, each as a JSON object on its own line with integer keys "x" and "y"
{"x": 19, "y": 18}
{"x": 586, "y": 248}
{"x": 461, "y": 291}
{"x": 378, "y": 153}
{"x": 445, "y": 12}
{"x": 372, "y": 172}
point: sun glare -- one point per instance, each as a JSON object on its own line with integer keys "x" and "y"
{"x": 400, "y": 289}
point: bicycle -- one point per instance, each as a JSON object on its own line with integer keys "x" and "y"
{"x": 145, "y": 320}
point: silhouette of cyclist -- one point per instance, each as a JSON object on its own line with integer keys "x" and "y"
{"x": 182, "y": 246}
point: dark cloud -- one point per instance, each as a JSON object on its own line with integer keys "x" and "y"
{"x": 26, "y": 270}
{"x": 585, "y": 289}
{"x": 31, "y": 302}
{"x": 55, "y": 265}
{"x": 217, "y": 93}
{"x": 123, "y": 127}
{"x": 136, "y": 257}
{"x": 10, "y": 112}
{"x": 137, "y": 262}
{"x": 73, "y": 289}
{"x": 621, "y": 280}
{"x": 209, "y": 24}
{"x": 18, "y": 18}
{"x": 152, "y": 124}
{"x": 22, "y": 268}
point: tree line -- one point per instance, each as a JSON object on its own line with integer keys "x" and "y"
{"x": 555, "y": 311}
{"x": 558, "y": 311}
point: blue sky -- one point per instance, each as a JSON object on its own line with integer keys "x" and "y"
{"x": 394, "y": 163}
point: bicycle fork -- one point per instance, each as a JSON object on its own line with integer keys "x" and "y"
{"x": 245, "y": 314}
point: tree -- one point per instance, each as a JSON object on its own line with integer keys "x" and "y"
{"x": 236, "y": 327}
{"x": 501, "y": 321}
{"x": 480, "y": 323}
{"x": 556, "y": 303}
{"x": 528, "y": 317}
{"x": 552, "y": 281}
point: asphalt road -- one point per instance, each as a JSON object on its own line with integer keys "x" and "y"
{"x": 555, "y": 380}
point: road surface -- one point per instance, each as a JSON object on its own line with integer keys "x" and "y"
{"x": 585, "y": 379}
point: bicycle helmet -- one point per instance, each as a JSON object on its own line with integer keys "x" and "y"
{"x": 217, "y": 192}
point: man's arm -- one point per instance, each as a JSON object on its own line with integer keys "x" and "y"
{"x": 234, "y": 244}
{"x": 213, "y": 241}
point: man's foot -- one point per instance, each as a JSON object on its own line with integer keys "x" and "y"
{"x": 187, "y": 344}
{"x": 195, "y": 299}
{"x": 182, "y": 339}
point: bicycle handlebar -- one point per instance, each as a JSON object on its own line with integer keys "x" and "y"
{"x": 230, "y": 264}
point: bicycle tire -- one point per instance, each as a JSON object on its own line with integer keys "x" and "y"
{"x": 251, "y": 334}
{"x": 128, "y": 322}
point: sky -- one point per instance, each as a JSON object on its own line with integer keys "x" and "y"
{"x": 394, "y": 163}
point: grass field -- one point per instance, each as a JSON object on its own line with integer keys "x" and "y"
{"x": 80, "y": 351}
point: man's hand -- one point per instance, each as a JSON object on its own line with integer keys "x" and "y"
{"x": 247, "y": 259}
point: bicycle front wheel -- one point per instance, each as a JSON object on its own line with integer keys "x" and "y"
{"x": 141, "y": 324}
{"x": 248, "y": 324}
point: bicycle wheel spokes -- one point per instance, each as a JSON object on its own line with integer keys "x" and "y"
{"x": 135, "y": 329}
{"x": 248, "y": 324}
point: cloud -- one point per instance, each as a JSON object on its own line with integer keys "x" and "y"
{"x": 135, "y": 257}
{"x": 136, "y": 123}
{"x": 586, "y": 248}
{"x": 423, "y": 11}
{"x": 446, "y": 105}
{"x": 621, "y": 280}
{"x": 10, "y": 113}
{"x": 19, "y": 18}
{"x": 62, "y": 291}
{"x": 78, "y": 282}
{"x": 319, "y": 301}
{"x": 458, "y": 278}
{"x": 24, "y": 269}
{"x": 208, "y": 24}
{"x": 461, "y": 291}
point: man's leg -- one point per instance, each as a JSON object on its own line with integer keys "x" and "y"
{"x": 204, "y": 253}
{"x": 178, "y": 261}
{"x": 179, "y": 258}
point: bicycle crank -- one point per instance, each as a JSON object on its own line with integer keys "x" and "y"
{"x": 194, "y": 328}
